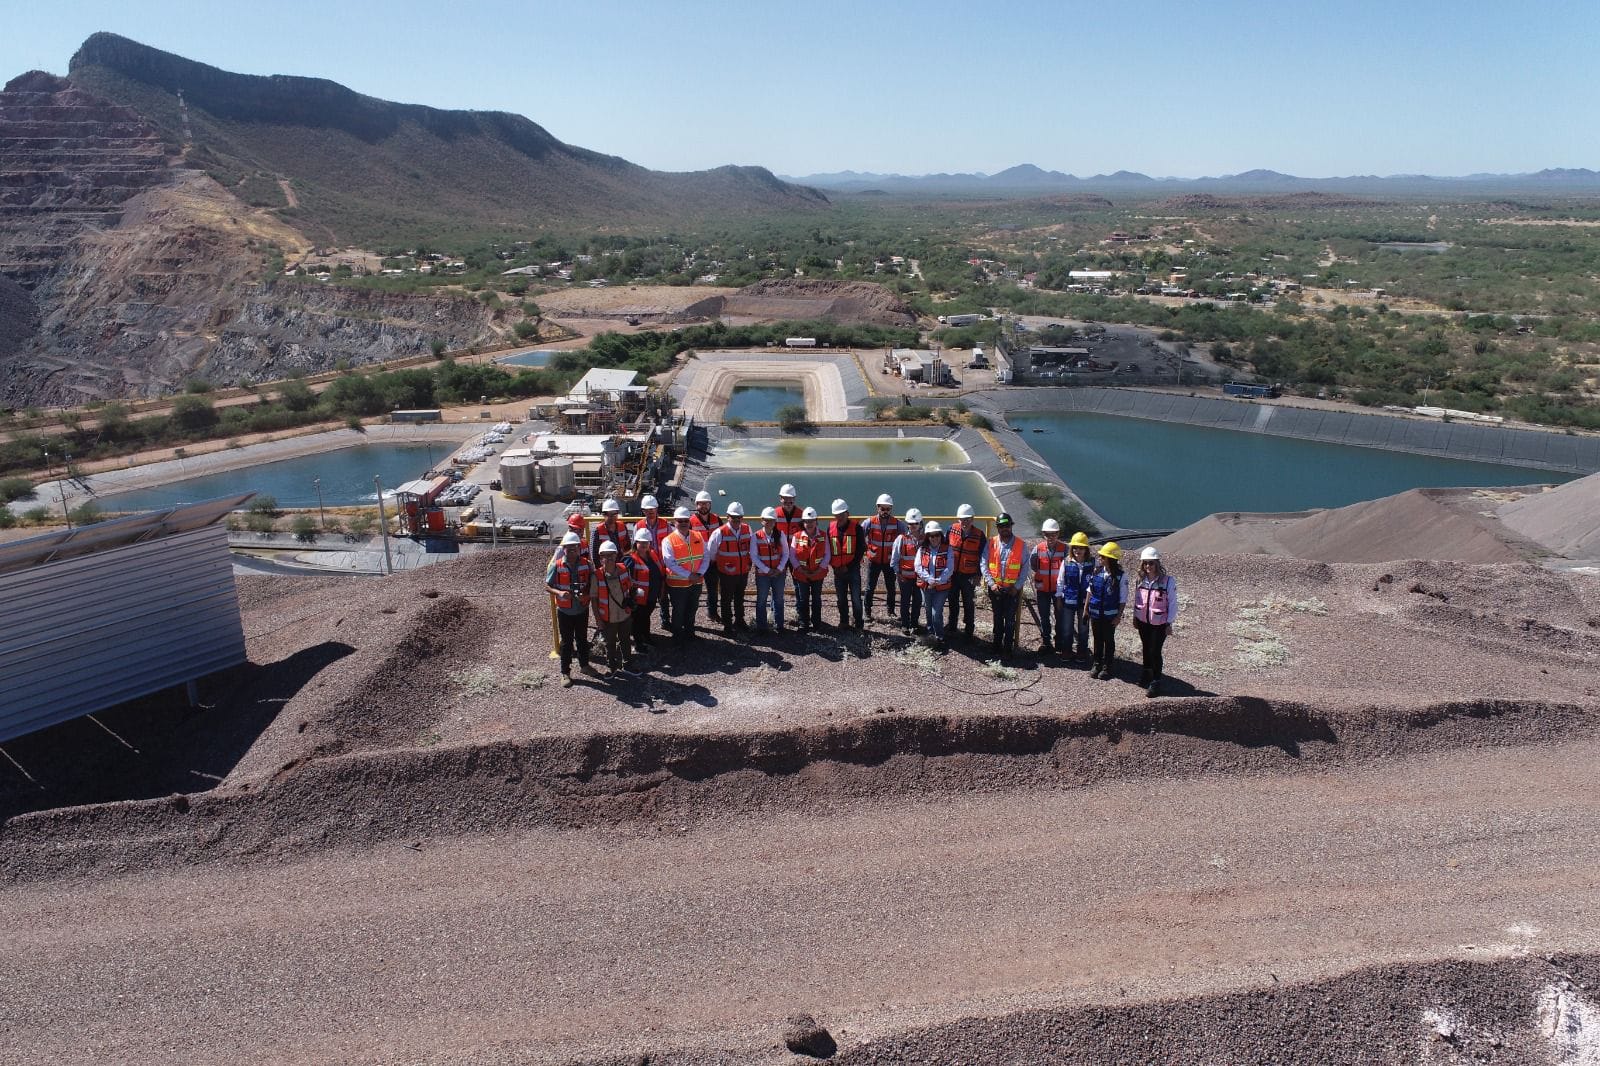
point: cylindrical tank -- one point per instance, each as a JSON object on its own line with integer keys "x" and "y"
{"x": 556, "y": 477}
{"x": 516, "y": 476}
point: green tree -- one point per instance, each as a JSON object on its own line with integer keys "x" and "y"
{"x": 296, "y": 395}
{"x": 193, "y": 414}
{"x": 304, "y": 528}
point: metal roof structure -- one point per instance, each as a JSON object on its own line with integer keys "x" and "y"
{"x": 114, "y": 611}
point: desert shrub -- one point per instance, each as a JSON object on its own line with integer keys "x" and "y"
{"x": 304, "y": 528}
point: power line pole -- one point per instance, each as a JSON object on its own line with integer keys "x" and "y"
{"x": 62, "y": 489}
{"x": 383, "y": 525}
{"x": 317, "y": 481}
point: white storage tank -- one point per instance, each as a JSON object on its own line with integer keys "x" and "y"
{"x": 556, "y": 477}
{"x": 517, "y": 476}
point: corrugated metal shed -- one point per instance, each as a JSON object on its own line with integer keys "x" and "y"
{"x": 114, "y": 611}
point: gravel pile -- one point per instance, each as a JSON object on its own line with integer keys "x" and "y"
{"x": 1565, "y": 519}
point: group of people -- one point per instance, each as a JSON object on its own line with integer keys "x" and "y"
{"x": 621, "y": 574}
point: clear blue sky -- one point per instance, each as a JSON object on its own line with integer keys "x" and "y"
{"x": 1167, "y": 87}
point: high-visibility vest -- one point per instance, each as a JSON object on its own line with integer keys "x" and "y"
{"x": 808, "y": 550}
{"x": 704, "y": 524}
{"x": 607, "y": 611}
{"x": 881, "y": 535}
{"x": 658, "y": 533}
{"x": 604, "y": 531}
{"x": 770, "y": 548}
{"x": 908, "y": 557}
{"x": 734, "y": 560}
{"x": 1072, "y": 578}
{"x": 789, "y": 520}
{"x": 933, "y": 560}
{"x": 572, "y": 581}
{"x": 1152, "y": 601}
{"x": 968, "y": 546}
{"x": 1013, "y": 564}
{"x": 643, "y": 566}
{"x": 687, "y": 552}
{"x": 1046, "y": 565}
{"x": 1105, "y": 594}
{"x": 844, "y": 542}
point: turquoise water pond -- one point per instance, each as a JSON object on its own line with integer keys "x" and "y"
{"x": 346, "y": 475}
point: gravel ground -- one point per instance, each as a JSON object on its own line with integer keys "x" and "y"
{"x": 389, "y": 837}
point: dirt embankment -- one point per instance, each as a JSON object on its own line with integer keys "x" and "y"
{"x": 835, "y": 301}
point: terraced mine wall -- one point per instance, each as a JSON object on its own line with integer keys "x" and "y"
{"x": 1545, "y": 450}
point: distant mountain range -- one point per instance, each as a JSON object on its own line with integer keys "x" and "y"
{"x": 1028, "y": 179}
{"x": 349, "y": 168}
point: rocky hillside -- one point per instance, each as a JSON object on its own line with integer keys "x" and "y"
{"x": 368, "y": 171}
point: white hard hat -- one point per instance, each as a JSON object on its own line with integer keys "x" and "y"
{"x": 1150, "y": 555}
{"x": 682, "y": 513}
{"x": 702, "y": 496}
{"x": 642, "y": 536}
{"x": 608, "y": 548}
{"x": 570, "y": 539}
{"x": 886, "y": 500}
{"x": 787, "y": 490}
{"x": 964, "y": 511}
{"x": 735, "y": 508}
{"x": 650, "y": 503}
{"x": 913, "y": 516}
{"x": 767, "y": 512}
{"x": 1051, "y": 526}
{"x": 611, "y": 507}
{"x": 809, "y": 512}
{"x": 840, "y": 507}
{"x": 933, "y": 527}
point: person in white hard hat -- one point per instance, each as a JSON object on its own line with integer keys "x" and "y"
{"x": 935, "y": 566}
{"x": 1155, "y": 608}
{"x": 705, "y": 522}
{"x": 647, "y": 586}
{"x": 769, "y": 557}
{"x": 966, "y": 541}
{"x": 658, "y": 527}
{"x": 1045, "y": 565}
{"x": 609, "y": 529}
{"x": 903, "y": 562}
{"x": 880, "y": 532}
{"x": 845, "y": 549}
{"x": 788, "y": 512}
{"x": 808, "y": 561}
{"x": 729, "y": 548}
{"x": 612, "y": 601}
{"x": 568, "y": 579}
{"x": 685, "y": 559}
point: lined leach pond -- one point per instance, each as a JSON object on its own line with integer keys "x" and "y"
{"x": 346, "y": 475}
{"x": 1143, "y": 474}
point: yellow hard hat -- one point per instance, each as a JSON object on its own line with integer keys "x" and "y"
{"x": 1079, "y": 540}
{"x": 1111, "y": 551}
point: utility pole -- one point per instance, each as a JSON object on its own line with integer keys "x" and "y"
{"x": 62, "y": 489}
{"x": 317, "y": 481}
{"x": 383, "y": 525}
{"x": 494, "y": 525}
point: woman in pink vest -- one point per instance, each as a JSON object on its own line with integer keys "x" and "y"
{"x": 1155, "y": 608}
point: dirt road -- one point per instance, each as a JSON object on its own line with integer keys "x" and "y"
{"x": 878, "y": 916}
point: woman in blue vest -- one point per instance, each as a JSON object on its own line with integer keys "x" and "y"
{"x": 1107, "y": 592}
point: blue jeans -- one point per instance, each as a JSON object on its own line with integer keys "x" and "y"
{"x": 962, "y": 599}
{"x": 769, "y": 588}
{"x": 1003, "y": 606}
{"x": 1074, "y": 626}
{"x": 847, "y": 587}
{"x": 935, "y": 599}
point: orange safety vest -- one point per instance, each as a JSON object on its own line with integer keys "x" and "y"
{"x": 808, "y": 549}
{"x": 658, "y": 533}
{"x": 1047, "y": 566}
{"x": 789, "y": 520}
{"x": 881, "y": 536}
{"x": 1013, "y": 570}
{"x": 563, "y": 577}
{"x": 968, "y": 546}
{"x": 604, "y": 531}
{"x": 687, "y": 551}
{"x": 704, "y": 524}
{"x": 735, "y": 560}
{"x": 641, "y": 577}
{"x": 769, "y": 548}
{"x": 908, "y": 557}
{"x": 604, "y": 610}
{"x": 933, "y": 561}
{"x": 843, "y": 544}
